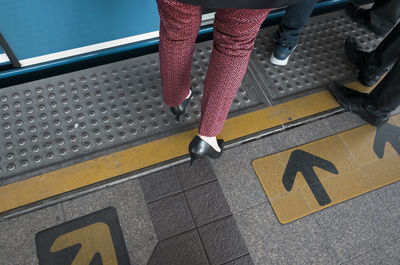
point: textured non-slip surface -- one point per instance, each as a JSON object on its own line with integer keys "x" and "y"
{"x": 193, "y": 222}
{"x": 46, "y": 122}
{"x": 318, "y": 58}
{"x": 66, "y": 119}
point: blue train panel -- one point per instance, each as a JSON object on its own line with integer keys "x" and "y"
{"x": 35, "y": 28}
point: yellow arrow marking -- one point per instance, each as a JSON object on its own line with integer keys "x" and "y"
{"x": 359, "y": 170}
{"x": 95, "y": 238}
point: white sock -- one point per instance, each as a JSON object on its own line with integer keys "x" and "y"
{"x": 190, "y": 93}
{"x": 211, "y": 141}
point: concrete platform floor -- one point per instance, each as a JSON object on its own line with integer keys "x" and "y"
{"x": 216, "y": 212}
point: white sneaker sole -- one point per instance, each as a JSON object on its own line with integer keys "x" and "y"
{"x": 276, "y": 61}
{"x": 279, "y": 62}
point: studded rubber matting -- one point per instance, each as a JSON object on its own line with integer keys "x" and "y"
{"x": 68, "y": 117}
{"x": 318, "y": 58}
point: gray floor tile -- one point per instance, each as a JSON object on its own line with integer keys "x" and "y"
{"x": 24, "y": 255}
{"x": 358, "y": 225}
{"x": 269, "y": 242}
{"x": 170, "y": 216}
{"x": 183, "y": 249}
{"x": 387, "y": 254}
{"x": 236, "y": 176}
{"x": 154, "y": 257}
{"x": 17, "y": 235}
{"x": 390, "y": 195}
{"x": 140, "y": 257}
{"x": 199, "y": 173}
{"x": 207, "y": 203}
{"x": 222, "y": 241}
{"x": 345, "y": 121}
{"x": 160, "y": 184}
{"x": 245, "y": 260}
{"x": 133, "y": 214}
{"x": 301, "y": 135}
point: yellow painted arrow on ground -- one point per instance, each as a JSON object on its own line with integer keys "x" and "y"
{"x": 95, "y": 238}
{"x": 348, "y": 164}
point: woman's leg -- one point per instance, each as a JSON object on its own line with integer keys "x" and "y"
{"x": 179, "y": 26}
{"x": 235, "y": 31}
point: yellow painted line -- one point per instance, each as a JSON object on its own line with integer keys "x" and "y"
{"x": 305, "y": 106}
{"x": 359, "y": 87}
{"x": 86, "y": 173}
{"x": 359, "y": 171}
{"x": 66, "y": 179}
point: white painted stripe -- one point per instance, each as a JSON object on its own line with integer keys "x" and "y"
{"x": 207, "y": 19}
{"x": 4, "y": 58}
{"x": 86, "y": 49}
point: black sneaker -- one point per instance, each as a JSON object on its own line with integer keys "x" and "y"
{"x": 355, "y": 102}
{"x": 368, "y": 74}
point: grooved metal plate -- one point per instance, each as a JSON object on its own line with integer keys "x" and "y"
{"x": 70, "y": 118}
{"x": 318, "y": 58}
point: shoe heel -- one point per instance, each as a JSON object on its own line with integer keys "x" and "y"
{"x": 178, "y": 111}
{"x": 193, "y": 157}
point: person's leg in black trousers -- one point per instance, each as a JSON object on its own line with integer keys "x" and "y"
{"x": 380, "y": 19}
{"x": 376, "y": 106}
{"x": 388, "y": 51}
{"x": 386, "y": 96}
{"x": 374, "y": 64}
{"x": 384, "y": 14}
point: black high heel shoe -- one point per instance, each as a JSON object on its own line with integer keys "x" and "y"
{"x": 199, "y": 148}
{"x": 178, "y": 111}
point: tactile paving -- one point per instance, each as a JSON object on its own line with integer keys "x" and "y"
{"x": 318, "y": 58}
{"x": 68, "y": 117}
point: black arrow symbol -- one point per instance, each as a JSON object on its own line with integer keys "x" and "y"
{"x": 386, "y": 133}
{"x": 304, "y": 162}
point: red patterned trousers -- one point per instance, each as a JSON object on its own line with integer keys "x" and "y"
{"x": 234, "y": 33}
